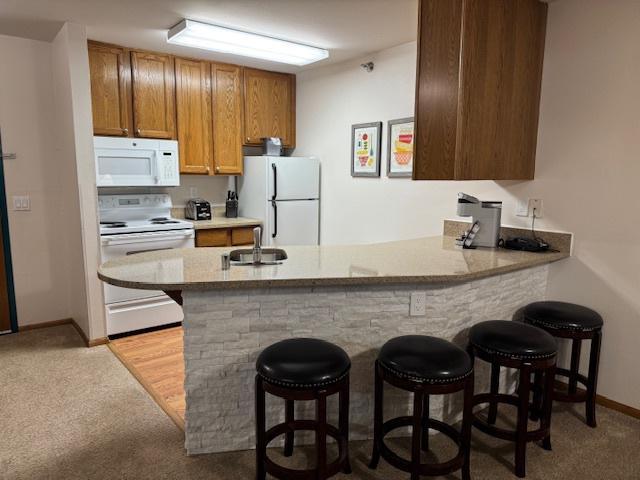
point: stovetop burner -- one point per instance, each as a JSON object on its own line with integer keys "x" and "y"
{"x": 162, "y": 220}
{"x": 113, "y": 224}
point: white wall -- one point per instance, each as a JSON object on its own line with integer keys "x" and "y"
{"x": 28, "y": 120}
{"x": 75, "y": 137}
{"x": 587, "y": 165}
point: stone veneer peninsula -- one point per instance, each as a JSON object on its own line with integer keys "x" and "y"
{"x": 354, "y": 296}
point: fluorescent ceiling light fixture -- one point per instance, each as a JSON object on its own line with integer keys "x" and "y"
{"x": 236, "y": 42}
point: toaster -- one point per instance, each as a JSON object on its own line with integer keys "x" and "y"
{"x": 198, "y": 209}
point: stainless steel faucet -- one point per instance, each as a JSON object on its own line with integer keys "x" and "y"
{"x": 257, "y": 245}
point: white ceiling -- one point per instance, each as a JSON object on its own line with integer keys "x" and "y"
{"x": 347, "y": 28}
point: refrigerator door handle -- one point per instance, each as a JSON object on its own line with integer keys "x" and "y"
{"x": 275, "y": 182}
{"x": 275, "y": 218}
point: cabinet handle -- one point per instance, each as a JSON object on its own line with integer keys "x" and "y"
{"x": 217, "y": 169}
{"x": 248, "y": 139}
{"x": 125, "y": 131}
{"x": 138, "y": 131}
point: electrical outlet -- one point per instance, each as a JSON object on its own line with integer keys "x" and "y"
{"x": 535, "y": 205}
{"x": 522, "y": 209}
{"x": 21, "y": 203}
{"x": 418, "y": 305}
{"x": 193, "y": 192}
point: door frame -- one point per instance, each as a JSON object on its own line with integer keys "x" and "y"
{"x": 6, "y": 244}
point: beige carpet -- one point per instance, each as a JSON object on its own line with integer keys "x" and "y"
{"x": 68, "y": 412}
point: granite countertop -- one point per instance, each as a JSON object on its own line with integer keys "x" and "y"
{"x": 224, "y": 222}
{"x": 430, "y": 260}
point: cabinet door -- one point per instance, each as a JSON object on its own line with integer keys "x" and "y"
{"x": 110, "y": 89}
{"x": 500, "y": 89}
{"x": 227, "y": 119}
{"x": 193, "y": 107}
{"x": 218, "y": 237}
{"x": 153, "y": 95}
{"x": 269, "y": 106}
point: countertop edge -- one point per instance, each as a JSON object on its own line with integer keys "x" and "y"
{"x": 544, "y": 259}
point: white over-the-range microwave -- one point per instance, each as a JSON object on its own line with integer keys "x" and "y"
{"x": 136, "y": 162}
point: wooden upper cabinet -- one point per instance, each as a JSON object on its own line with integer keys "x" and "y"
{"x": 227, "y": 119}
{"x": 193, "y": 107}
{"x": 110, "y": 89}
{"x": 269, "y": 106}
{"x": 478, "y": 89}
{"x": 153, "y": 95}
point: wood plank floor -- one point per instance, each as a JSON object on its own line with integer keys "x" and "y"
{"x": 156, "y": 359}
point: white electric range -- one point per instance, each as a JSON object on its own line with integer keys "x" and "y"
{"x": 131, "y": 224}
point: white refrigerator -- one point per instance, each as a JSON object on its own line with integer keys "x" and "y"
{"x": 284, "y": 193}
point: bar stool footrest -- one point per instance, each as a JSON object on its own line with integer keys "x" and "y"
{"x": 502, "y": 433}
{"x": 431, "y": 469}
{"x": 563, "y": 396}
{"x": 284, "y": 473}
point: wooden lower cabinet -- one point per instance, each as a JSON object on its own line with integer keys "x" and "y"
{"x": 224, "y": 237}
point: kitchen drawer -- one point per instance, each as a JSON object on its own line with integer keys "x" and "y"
{"x": 212, "y": 238}
{"x": 242, "y": 236}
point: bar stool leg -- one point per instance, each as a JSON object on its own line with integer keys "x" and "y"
{"x": 377, "y": 418}
{"x": 416, "y": 435}
{"x": 465, "y": 432}
{"x": 547, "y": 406}
{"x": 495, "y": 386}
{"x": 524, "y": 390}
{"x": 321, "y": 436}
{"x": 425, "y": 424}
{"x": 592, "y": 379}
{"x": 261, "y": 447}
{"x": 343, "y": 421}
{"x": 538, "y": 397}
{"x": 288, "y": 437}
{"x": 576, "y": 346}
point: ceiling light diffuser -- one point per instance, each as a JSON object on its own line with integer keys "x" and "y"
{"x": 194, "y": 34}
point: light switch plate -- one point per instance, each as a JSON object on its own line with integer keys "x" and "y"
{"x": 522, "y": 209}
{"x": 21, "y": 203}
{"x": 193, "y": 192}
{"x": 418, "y": 306}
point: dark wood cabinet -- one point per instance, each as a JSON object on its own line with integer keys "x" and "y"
{"x": 478, "y": 89}
{"x": 269, "y": 106}
{"x": 110, "y": 89}
{"x": 154, "y": 113}
{"x": 194, "y": 116}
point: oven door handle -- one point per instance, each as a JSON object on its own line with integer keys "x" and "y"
{"x": 142, "y": 238}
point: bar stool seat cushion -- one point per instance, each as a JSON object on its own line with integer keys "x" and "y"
{"x": 425, "y": 359}
{"x": 303, "y": 363}
{"x": 512, "y": 339}
{"x": 562, "y": 316}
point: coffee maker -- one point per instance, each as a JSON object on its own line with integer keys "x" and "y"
{"x": 485, "y": 231}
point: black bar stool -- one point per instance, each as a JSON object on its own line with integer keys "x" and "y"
{"x": 530, "y": 350}
{"x": 425, "y": 366}
{"x": 577, "y": 323}
{"x": 303, "y": 369}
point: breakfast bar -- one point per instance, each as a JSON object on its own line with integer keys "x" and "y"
{"x": 356, "y": 296}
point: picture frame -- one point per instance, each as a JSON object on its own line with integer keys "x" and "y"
{"x": 366, "y": 146}
{"x": 400, "y": 141}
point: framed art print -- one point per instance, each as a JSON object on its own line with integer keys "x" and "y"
{"x": 400, "y": 148}
{"x": 365, "y": 149}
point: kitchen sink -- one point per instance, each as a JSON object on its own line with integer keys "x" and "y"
{"x": 270, "y": 256}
